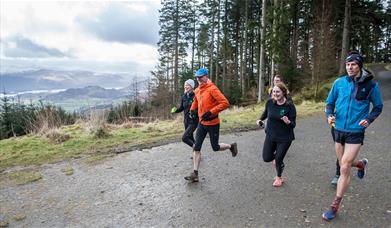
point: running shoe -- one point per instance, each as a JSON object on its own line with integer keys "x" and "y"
{"x": 234, "y": 149}
{"x": 329, "y": 214}
{"x": 278, "y": 182}
{"x": 192, "y": 177}
{"x": 334, "y": 181}
{"x": 361, "y": 171}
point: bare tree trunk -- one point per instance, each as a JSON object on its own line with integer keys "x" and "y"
{"x": 212, "y": 44}
{"x": 241, "y": 67}
{"x": 261, "y": 64}
{"x": 237, "y": 58}
{"x": 275, "y": 21}
{"x": 225, "y": 46}
{"x": 176, "y": 61}
{"x": 193, "y": 40}
{"x": 243, "y": 61}
{"x": 345, "y": 37}
{"x": 218, "y": 43}
{"x": 322, "y": 37}
{"x": 294, "y": 45}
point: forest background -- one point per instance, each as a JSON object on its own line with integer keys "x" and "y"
{"x": 243, "y": 43}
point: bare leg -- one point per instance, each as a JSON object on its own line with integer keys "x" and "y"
{"x": 349, "y": 155}
{"x": 339, "y": 149}
{"x": 196, "y": 159}
{"x": 224, "y": 146}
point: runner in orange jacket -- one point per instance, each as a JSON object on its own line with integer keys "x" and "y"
{"x": 210, "y": 102}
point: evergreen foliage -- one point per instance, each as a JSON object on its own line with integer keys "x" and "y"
{"x": 303, "y": 42}
{"x": 18, "y": 119}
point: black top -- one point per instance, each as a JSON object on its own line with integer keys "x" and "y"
{"x": 276, "y": 129}
{"x": 186, "y": 101}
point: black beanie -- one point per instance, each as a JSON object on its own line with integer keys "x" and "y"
{"x": 356, "y": 58}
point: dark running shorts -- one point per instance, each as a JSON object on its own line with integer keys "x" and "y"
{"x": 348, "y": 137}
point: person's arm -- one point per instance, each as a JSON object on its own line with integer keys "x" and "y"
{"x": 193, "y": 113}
{"x": 292, "y": 116}
{"x": 260, "y": 121}
{"x": 264, "y": 114}
{"x": 330, "y": 101}
{"x": 194, "y": 105}
{"x": 377, "y": 104}
{"x": 182, "y": 107}
{"x": 221, "y": 100}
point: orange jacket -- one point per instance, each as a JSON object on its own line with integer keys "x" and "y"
{"x": 209, "y": 98}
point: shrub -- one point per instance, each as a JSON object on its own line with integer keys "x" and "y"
{"x": 96, "y": 124}
{"x": 100, "y": 132}
{"x": 56, "y": 136}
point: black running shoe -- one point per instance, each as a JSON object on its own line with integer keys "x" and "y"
{"x": 234, "y": 149}
{"x": 192, "y": 177}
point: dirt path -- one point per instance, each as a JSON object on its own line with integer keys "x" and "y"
{"x": 146, "y": 188}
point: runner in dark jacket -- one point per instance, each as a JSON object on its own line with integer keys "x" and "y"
{"x": 190, "y": 123}
{"x": 281, "y": 120}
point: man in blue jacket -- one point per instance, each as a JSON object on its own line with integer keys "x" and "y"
{"x": 347, "y": 109}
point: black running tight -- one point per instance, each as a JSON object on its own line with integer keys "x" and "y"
{"x": 275, "y": 151}
{"x": 187, "y": 136}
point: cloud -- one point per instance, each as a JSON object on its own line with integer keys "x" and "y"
{"x": 124, "y": 23}
{"x": 102, "y": 36}
{"x": 19, "y": 46}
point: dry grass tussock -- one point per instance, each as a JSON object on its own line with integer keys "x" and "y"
{"x": 47, "y": 125}
{"x": 80, "y": 122}
{"x": 128, "y": 124}
{"x": 44, "y": 121}
{"x": 56, "y": 136}
{"x": 96, "y": 124}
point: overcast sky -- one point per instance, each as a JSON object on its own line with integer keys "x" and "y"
{"x": 102, "y": 36}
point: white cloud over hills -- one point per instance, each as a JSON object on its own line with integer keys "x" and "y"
{"x": 102, "y": 36}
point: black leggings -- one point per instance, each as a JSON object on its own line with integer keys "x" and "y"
{"x": 187, "y": 136}
{"x": 213, "y": 131}
{"x": 273, "y": 150}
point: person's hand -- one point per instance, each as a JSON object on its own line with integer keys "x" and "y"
{"x": 206, "y": 115}
{"x": 173, "y": 110}
{"x": 331, "y": 120}
{"x": 286, "y": 119}
{"x": 364, "y": 123}
{"x": 260, "y": 124}
{"x": 192, "y": 114}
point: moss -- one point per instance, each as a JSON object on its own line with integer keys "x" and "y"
{"x": 67, "y": 170}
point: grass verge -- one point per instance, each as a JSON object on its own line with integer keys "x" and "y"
{"x": 37, "y": 150}
{"x": 19, "y": 177}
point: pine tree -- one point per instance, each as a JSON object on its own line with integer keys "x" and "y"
{"x": 6, "y": 125}
{"x": 176, "y": 23}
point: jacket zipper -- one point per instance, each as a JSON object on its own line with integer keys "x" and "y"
{"x": 202, "y": 111}
{"x": 350, "y": 99}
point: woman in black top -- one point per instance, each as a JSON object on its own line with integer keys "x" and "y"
{"x": 281, "y": 119}
{"x": 189, "y": 122}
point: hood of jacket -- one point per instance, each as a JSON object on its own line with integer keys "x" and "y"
{"x": 366, "y": 75}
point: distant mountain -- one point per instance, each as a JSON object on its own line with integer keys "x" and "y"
{"x": 83, "y": 98}
{"x": 45, "y": 79}
{"x": 88, "y": 92}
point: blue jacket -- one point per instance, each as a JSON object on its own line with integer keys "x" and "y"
{"x": 351, "y": 101}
